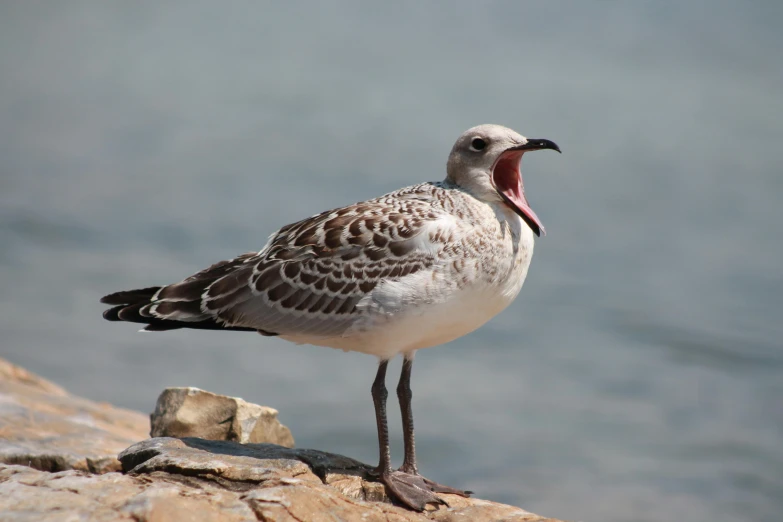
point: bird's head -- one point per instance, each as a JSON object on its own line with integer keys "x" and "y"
{"x": 485, "y": 161}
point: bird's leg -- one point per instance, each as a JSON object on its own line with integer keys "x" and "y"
{"x": 404, "y": 394}
{"x": 405, "y": 484}
{"x": 379, "y": 395}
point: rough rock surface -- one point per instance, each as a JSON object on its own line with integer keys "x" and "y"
{"x": 30, "y": 495}
{"x": 173, "y": 479}
{"x": 191, "y": 412}
{"x": 298, "y": 484}
{"x": 201, "y": 480}
{"x": 44, "y": 427}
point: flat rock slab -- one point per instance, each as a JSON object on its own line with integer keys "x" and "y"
{"x": 280, "y": 483}
{"x": 28, "y": 495}
{"x": 44, "y": 427}
{"x": 245, "y": 466}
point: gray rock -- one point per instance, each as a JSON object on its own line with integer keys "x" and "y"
{"x": 191, "y": 412}
{"x": 44, "y": 427}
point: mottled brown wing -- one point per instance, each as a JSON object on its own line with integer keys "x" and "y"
{"x": 311, "y": 275}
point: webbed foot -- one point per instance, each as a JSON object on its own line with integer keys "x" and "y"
{"x": 415, "y": 491}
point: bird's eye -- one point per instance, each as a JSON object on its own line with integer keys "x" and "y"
{"x": 478, "y": 144}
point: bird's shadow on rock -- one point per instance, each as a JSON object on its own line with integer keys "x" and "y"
{"x": 320, "y": 462}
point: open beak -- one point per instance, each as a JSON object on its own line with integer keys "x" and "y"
{"x": 536, "y": 144}
{"x": 508, "y": 180}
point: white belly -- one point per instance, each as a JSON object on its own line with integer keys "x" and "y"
{"x": 435, "y": 324}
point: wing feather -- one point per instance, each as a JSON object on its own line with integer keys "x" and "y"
{"x": 308, "y": 279}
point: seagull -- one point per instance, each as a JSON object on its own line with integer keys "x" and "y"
{"x": 415, "y": 268}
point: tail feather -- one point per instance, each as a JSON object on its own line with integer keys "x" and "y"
{"x": 130, "y": 305}
{"x": 179, "y": 305}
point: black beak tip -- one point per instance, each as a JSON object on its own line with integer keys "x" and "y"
{"x": 538, "y": 144}
{"x": 549, "y": 144}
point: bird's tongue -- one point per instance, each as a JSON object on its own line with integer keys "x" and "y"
{"x": 508, "y": 181}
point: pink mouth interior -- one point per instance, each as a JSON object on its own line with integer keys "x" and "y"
{"x": 508, "y": 182}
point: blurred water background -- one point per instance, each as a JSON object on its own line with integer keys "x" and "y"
{"x": 639, "y": 376}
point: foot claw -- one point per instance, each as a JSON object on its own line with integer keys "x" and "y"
{"x": 415, "y": 491}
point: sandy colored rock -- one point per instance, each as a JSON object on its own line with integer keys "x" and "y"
{"x": 285, "y": 484}
{"x": 189, "y": 479}
{"x": 44, "y": 427}
{"x": 28, "y": 495}
{"x": 191, "y": 412}
{"x": 13, "y": 374}
{"x": 175, "y": 480}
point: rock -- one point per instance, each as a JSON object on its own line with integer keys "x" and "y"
{"x": 281, "y": 483}
{"x": 67, "y": 445}
{"x": 44, "y": 427}
{"x": 201, "y": 480}
{"x": 237, "y": 465}
{"x": 13, "y": 374}
{"x": 28, "y": 495}
{"x": 191, "y": 412}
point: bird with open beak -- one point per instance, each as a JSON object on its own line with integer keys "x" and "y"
{"x": 415, "y": 268}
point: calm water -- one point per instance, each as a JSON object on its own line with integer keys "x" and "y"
{"x": 639, "y": 376}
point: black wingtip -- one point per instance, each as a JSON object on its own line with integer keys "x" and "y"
{"x": 127, "y": 297}
{"x": 113, "y": 314}
{"x": 161, "y": 327}
{"x": 132, "y": 313}
{"x": 108, "y": 299}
